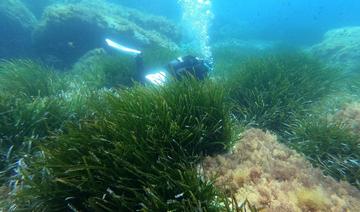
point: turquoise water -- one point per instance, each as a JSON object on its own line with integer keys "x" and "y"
{"x": 302, "y": 22}
{"x": 297, "y": 23}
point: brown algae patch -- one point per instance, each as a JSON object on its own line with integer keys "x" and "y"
{"x": 276, "y": 178}
{"x": 350, "y": 115}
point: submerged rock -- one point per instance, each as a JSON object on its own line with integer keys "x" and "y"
{"x": 17, "y": 23}
{"x": 98, "y": 69}
{"x": 276, "y": 178}
{"x": 340, "y": 48}
{"x": 349, "y": 114}
{"x": 67, "y": 31}
{"x": 38, "y": 6}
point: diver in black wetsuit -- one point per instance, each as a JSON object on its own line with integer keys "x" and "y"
{"x": 178, "y": 68}
{"x": 194, "y": 66}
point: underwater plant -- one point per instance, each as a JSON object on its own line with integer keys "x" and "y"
{"x": 30, "y": 108}
{"x": 227, "y": 60}
{"x": 25, "y": 78}
{"x": 271, "y": 92}
{"x": 98, "y": 69}
{"x": 349, "y": 114}
{"x": 353, "y": 83}
{"x": 158, "y": 57}
{"x": 23, "y": 125}
{"x": 140, "y": 152}
{"x": 34, "y": 103}
{"x": 330, "y": 145}
{"x": 189, "y": 107}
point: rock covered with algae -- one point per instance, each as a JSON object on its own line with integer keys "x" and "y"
{"x": 350, "y": 115}
{"x": 67, "y": 31}
{"x": 275, "y": 178}
{"x": 17, "y": 23}
{"x": 340, "y": 48}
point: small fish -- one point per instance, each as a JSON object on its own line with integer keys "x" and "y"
{"x": 179, "y": 196}
{"x": 71, "y": 44}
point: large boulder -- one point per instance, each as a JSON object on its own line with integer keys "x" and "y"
{"x": 349, "y": 114}
{"x": 67, "y": 31}
{"x": 38, "y": 6}
{"x": 340, "y": 48}
{"x": 16, "y": 25}
{"x": 98, "y": 69}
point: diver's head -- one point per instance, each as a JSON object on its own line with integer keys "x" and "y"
{"x": 189, "y": 65}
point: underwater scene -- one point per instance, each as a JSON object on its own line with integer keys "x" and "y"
{"x": 180, "y": 105}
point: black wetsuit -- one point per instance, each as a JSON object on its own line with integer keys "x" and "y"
{"x": 178, "y": 68}
{"x": 189, "y": 65}
{"x": 140, "y": 74}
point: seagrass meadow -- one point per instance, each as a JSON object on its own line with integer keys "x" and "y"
{"x": 70, "y": 145}
{"x": 183, "y": 105}
{"x": 77, "y": 141}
